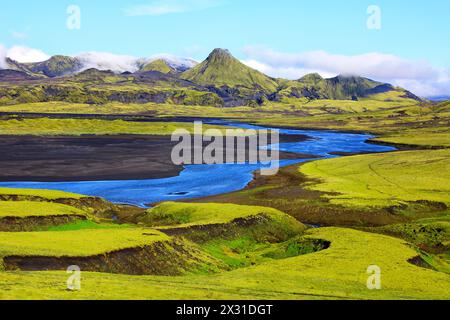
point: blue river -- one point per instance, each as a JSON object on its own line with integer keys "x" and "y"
{"x": 207, "y": 180}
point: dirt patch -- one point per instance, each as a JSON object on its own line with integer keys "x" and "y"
{"x": 16, "y": 224}
{"x": 420, "y": 262}
{"x": 170, "y": 258}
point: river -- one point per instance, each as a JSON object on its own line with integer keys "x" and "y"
{"x": 207, "y": 180}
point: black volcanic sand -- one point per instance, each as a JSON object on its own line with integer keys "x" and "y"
{"x": 89, "y": 158}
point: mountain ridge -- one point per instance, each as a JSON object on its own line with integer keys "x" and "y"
{"x": 221, "y": 77}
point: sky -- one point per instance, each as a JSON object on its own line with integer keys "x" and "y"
{"x": 404, "y": 42}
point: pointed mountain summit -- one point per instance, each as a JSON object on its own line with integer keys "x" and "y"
{"x": 159, "y": 65}
{"x": 222, "y": 69}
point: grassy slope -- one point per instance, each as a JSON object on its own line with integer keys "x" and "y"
{"x": 187, "y": 214}
{"x": 384, "y": 179}
{"x": 46, "y": 126}
{"x": 46, "y": 194}
{"x": 76, "y": 243}
{"x": 426, "y": 137}
{"x": 157, "y": 65}
{"x": 23, "y": 209}
{"x": 336, "y": 273}
{"x": 403, "y": 122}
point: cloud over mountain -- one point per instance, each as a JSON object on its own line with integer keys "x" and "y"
{"x": 108, "y": 61}
{"x": 418, "y": 76}
{"x": 2, "y": 57}
{"x": 25, "y": 54}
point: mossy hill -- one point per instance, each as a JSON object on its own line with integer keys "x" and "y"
{"x": 222, "y": 69}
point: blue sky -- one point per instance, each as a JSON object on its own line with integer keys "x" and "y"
{"x": 415, "y": 31}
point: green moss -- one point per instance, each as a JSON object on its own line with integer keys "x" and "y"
{"x": 86, "y": 242}
{"x": 46, "y": 194}
{"x": 22, "y": 209}
{"x": 384, "y": 180}
{"x": 194, "y": 214}
{"x": 54, "y": 127}
{"x": 86, "y": 224}
{"x": 157, "y": 65}
{"x": 339, "y": 272}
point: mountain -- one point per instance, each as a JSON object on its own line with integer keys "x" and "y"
{"x": 220, "y": 80}
{"x": 176, "y": 63}
{"x": 159, "y": 65}
{"x": 222, "y": 69}
{"x": 56, "y": 66}
{"x": 342, "y": 87}
{"x": 439, "y": 98}
{"x": 17, "y": 66}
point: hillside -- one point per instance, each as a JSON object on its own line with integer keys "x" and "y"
{"x": 222, "y": 69}
{"x": 56, "y": 66}
{"x": 158, "y": 65}
{"x": 342, "y": 87}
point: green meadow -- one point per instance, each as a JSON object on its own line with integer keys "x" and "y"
{"x": 23, "y": 209}
{"x": 310, "y": 232}
{"x": 339, "y": 272}
{"x": 77, "y": 127}
{"x": 383, "y": 180}
{"x": 75, "y": 243}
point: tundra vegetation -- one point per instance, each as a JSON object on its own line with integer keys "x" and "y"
{"x": 309, "y": 232}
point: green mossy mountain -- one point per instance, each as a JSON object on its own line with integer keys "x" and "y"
{"x": 222, "y": 69}
{"x": 56, "y": 66}
{"x": 158, "y": 65}
{"x": 342, "y": 87}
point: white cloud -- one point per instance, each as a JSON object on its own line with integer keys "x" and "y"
{"x": 417, "y": 76}
{"x": 25, "y": 54}
{"x": 163, "y": 7}
{"x": 123, "y": 63}
{"x": 108, "y": 61}
{"x": 2, "y": 57}
{"x": 173, "y": 61}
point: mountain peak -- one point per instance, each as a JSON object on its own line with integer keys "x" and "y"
{"x": 219, "y": 52}
{"x": 56, "y": 66}
{"x": 222, "y": 69}
{"x": 159, "y": 65}
{"x": 311, "y": 77}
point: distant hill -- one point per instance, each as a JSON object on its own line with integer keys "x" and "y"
{"x": 222, "y": 69}
{"x": 313, "y": 86}
{"x": 15, "y": 75}
{"x": 439, "y": 98}
{"x": 56, "y": 66}
{"x": 158, "y": 65}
